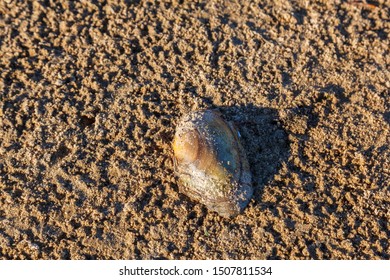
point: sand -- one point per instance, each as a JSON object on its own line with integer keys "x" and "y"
{"x": 91, "y": 91}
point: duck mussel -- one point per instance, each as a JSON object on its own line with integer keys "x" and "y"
{"x": 211, "y": 164}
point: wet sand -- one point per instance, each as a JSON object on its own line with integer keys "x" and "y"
{"x": 91, "y": 91}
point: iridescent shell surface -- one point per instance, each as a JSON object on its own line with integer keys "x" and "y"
{"x": 211, "y": 164}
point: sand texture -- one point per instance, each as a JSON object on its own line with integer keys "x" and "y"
{"x": 91, "y": 91}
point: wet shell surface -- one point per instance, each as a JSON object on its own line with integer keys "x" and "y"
{"x": 211, "y": 164}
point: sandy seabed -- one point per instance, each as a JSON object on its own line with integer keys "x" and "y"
{"x": 91, "y": 91}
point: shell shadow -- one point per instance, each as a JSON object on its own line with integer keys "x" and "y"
{"x": 264, "y": 140}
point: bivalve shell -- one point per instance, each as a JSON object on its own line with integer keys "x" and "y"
{"x": 211, "y": 164}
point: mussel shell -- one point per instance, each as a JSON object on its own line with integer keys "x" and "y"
{"x": 211, "y": 164}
